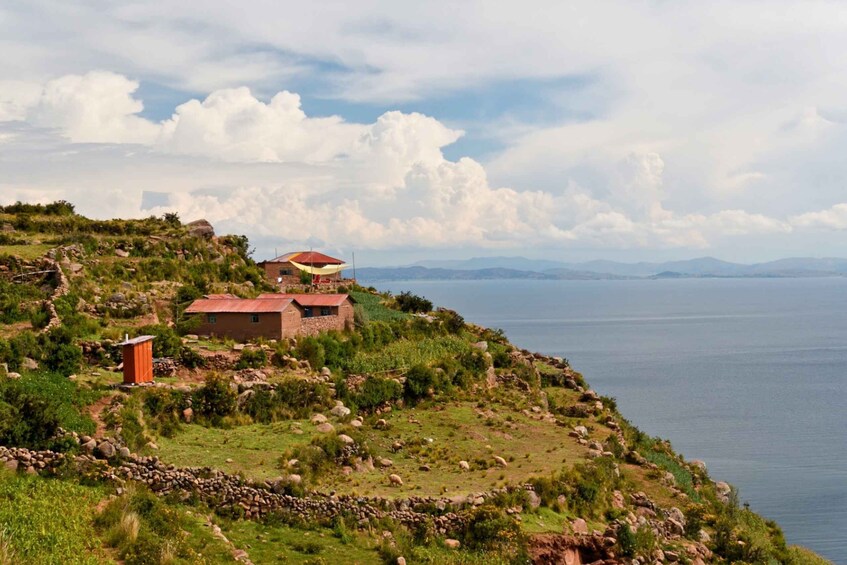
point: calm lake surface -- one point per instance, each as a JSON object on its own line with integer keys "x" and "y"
{"x": 749, "y": 375}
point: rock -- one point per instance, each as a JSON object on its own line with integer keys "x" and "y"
{"x": 238, "y": 347}
{"x": 451, "y": 543}
{"x": 381, "y": 424}
{"x": 481, "y": 345}
{"x": 401, "y": 560}
{"x": 581, "y": 430}
{"x": 346, "y": 439}
{"x": 89, "y": 446}
{"x": 325, "y": 372}
{"x": 325, "y": 428}
{"x": 12, "y": 465}
{"x": 697, "y": 464}
{"x": 395, "y": 479}
{"x": 673, "y": 527}
{"x": 295, "y": 479}
{"x": 201, "y": 228}
{"x": 579, "y": 526}
{"x": 723, "y": 491}
{"x": 228, "y": 460}
{"x": 385, "y": 462}
{"x": 318, "y": 419}
{"x": 464, "y": 466}
{"x": 671, "y": 556}
{"x": 121, "y": 253}
{"x": 188, "y": 415}
{"x": 534, "y": 499}
{"x": 152, "y": 445}
{"x": 340, "y": 411}
{"x": 124, "y": 452}
{"x": 500, "y": 461}
{"x": 618, "y": 500}
{"x": 29, "y": 364}
{"x": 75, "y": 268}
{"x": 424, "y": 467}
{"x": 356, "y": 424}
{"x": 106, "y": 450}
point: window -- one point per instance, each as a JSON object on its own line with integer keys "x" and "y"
{"x": 254, "y": 318}
{"x": 285, "y": 272}
{"x": 325, "y": 311}
{"x": 307, "y": 312}
{"x": 212, "y": 319}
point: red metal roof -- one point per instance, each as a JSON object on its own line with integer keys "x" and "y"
{"x": 219, "y": 296}
{"x": 309, "y": 299}
{"x": 307, "y": 258}
{"x": 223, "y": 305}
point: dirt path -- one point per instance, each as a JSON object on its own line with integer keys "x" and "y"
{"x": 95, "y": 411}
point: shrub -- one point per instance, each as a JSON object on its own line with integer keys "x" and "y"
{"x": 408, "y": 302}
{"x": 166, "y": 342}
{"x": 214, "y": 400}
{"x": 59, "y": 352}
{"x": 310, "y": 349}
{"x": 450, "y": 320}
{"x": 489, "y": 527}
{"x": 419, "y": 381}
{"x": 252, "y": 359}
{"x": 377, "y": 391}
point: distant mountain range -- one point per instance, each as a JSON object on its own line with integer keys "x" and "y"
{"x": 487, "y": 268}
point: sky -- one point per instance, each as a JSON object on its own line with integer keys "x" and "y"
{"x": 407, "y": 130}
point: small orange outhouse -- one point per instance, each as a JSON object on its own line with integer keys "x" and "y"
{"x": 138, "y": 360}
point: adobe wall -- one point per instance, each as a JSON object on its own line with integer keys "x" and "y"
{"x": 237, "y": 325}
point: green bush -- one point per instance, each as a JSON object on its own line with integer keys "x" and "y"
{"x": 33, "y": 407}
{"x": 408, "y": 302}
{"x": 252, "y": 359}
{"x": 489, "y": 527}
{"x": 377, "y": 391}
{"x": 166, "y": 342}
{"x": 214, "y": 400}
{"x": 420, "y": 380}
{"x": 310, "y": 349}
{"x": 59, "y": 353}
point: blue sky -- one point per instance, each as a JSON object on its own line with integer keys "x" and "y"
{"x": 407, "y": 131}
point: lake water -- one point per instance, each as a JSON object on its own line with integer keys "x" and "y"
{"x": 749, "y": 375}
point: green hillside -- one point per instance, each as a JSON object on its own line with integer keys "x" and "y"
{"x": 415, "y": 437}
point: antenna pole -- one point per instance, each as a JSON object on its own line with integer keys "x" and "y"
{"x": 354, "y": 267}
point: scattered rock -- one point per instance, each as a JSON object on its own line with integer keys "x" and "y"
{"x": 346, "y": 439}
{"x": 579, "y": 526}
{"x": 121, "y": 253}
{"x": 325, "y": 428}
{"x": 106, "y": 450}
{"x": 318, "y": 419}
{"x": 340, "y": 411}
{"x": 29, "y": 364}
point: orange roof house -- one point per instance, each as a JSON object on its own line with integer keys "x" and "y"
{"x": 272, "y": 316}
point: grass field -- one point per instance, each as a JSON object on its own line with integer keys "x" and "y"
{"x": 25, "y": 251}
{"x": 459, "y": 431}
{"x": 375, "y": 310}
{"x": 48, "y": 521}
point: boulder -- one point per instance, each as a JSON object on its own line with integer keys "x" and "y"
{"x": 201, "y": 228}
{"x": 356, "y": 424}
{"x": 451, "y": 543}
{"x": 124, "y": 452}
{"x": 12, "y": 465}
{"x": 121, "y": 253}
{"x": 340, "y": 411}
{"x": 325, "y": 428}
{"x": 582, "y": 431}
{"x": 318, "y": 419}
{"x": 481, "y": 345}
{"x": 106, "y": 450}
{"x": 579, "y": 526}
{"x": 29, "y": 364}
{"x": 346, "y": 439}
{"x": 385, "y": 462}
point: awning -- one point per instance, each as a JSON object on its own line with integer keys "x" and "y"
{"x": 328, "y": 270}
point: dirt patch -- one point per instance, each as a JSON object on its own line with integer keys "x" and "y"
{"x": 95, "y": 411}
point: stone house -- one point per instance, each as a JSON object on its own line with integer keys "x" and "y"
{"x": 272, "y": 316}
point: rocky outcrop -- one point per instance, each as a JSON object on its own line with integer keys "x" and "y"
{"x": 201, "y": 228}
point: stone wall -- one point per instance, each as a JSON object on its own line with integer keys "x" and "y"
{"x": 318, "y": 324}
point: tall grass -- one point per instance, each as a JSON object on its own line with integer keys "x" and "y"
{"x": 405, "y": 353}
{"x": 374, "y": 309}
{"x": 47, "y": 521}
